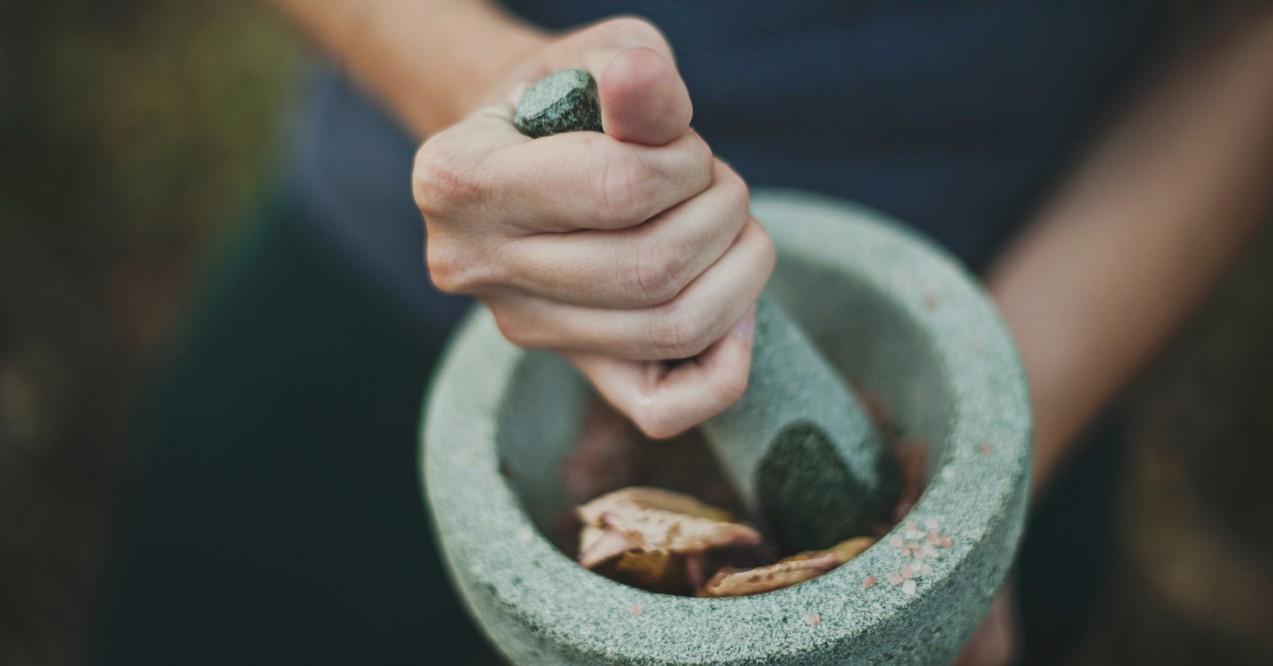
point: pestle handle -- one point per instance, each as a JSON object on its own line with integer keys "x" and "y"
{"x": 797, "y": 446}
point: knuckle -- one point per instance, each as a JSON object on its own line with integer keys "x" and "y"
{"x": 768, "y": 254}
{"x": 451, "y": 269}
{"x": 510, "y": 327}
{"x": 678, "y": 332}
{"x": 443, "y": 267}
{"x": 731, "y": 386}
{"x": 632, "y": 28}
{"x": 701, "y": 156}
{"x": 659, "y": 273}
{"x": 737, "y": 193}
{"x": 441, "y": 184}
{"x": 652, "y": 419}
{"x": 620, "y": 187}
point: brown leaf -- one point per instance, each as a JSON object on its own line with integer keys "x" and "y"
{"x": 597, "y": 545}
{"x": 653, "y": 529}
{"x": 851, "y": 548}
{"x": 730, "y": 582}
{"x": 649, "y": 498}
{"x": 657, "y": 571}
{"x": 661, "y": 520}
{"x": 655, "y": 539}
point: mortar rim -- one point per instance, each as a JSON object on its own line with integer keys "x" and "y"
{"x": 825, "y": 226}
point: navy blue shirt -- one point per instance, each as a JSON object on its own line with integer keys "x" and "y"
{"x": 954, "y": 117}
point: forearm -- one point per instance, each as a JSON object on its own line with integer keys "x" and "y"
{"x": 1141, "y": 232}
{"x": 429, "y": 61}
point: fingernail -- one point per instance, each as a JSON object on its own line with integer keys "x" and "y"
{"x": 746, "y": 326}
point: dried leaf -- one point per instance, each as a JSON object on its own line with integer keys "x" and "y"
{"x": 652, "y": 529}
{"x": 851, "y": 548}
{"x": 657, "y": 571}
{"x": 597, "y": 545}
{"x": 730, "y": 582}
{"x": 649, "y": 498}
{"x": 661, "y": 520}
{"x": 654, "y": 538}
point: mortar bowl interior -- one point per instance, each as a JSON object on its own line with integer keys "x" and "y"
{"x": 898, "y": 319}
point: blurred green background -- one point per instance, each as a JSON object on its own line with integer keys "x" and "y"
{"x": 136, "y": 134}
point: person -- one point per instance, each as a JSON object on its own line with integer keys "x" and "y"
{"x": 273, "y": 513}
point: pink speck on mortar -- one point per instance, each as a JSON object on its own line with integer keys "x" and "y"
{"x": 813, "y": 619}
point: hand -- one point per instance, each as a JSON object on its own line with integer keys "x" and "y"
{"x": 621, "y": 250}
{"x": 995, "y": 641}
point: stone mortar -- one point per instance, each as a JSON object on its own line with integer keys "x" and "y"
{"x": 890, "y": 313}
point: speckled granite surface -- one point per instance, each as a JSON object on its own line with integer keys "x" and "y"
{"x": 564, "y": 101}
{"x": 889, "y": 312}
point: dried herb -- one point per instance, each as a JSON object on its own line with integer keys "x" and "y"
{"x": 656, "y": 539}
{"x": 730, "y": 582}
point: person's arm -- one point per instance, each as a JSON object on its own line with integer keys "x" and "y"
{"x": 621, "y": 250}
{"x": 1140, "y": 233}
{"x": 1131, "y": 245}
{"x": 429, "y": 61}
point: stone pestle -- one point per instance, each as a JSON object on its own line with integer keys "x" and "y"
{"x": 798, "y": 447}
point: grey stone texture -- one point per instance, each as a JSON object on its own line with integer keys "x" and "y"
{"x": 888, "y": 312}
{"x": 798, "y": 447}
{"x": 564, "y": 101}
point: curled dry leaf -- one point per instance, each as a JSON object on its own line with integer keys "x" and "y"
{"x": 655, "y": 539}
{"x": 644, "y": 497}
{"x": 597, "y": 545}
{"x": 730, "y": 582}
{"x": 652, "y": 529}
{"x": 654, "y": 520}
{"x": 659, "y": 540}
{"x": 851, "y": 548}
{"x": 654, "y": 571}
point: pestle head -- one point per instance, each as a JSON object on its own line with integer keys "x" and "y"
{"x": 798, "y": 446}
{"x": 564, "y": 101}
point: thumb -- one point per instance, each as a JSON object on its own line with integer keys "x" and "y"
{"x": 643, "y": 98}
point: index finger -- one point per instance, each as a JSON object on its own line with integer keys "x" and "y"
{"x": 587, "y": 180}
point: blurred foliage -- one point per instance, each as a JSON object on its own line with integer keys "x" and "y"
{"x": 133, "y": 133}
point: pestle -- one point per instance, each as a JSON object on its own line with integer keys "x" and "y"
{"x": 798, "y": 447}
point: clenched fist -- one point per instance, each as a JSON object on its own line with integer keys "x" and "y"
{"x": 633, "y": 252}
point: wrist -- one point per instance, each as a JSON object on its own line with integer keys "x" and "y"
{"x": 494, "y": 46}
{"x": 430, "y": 63}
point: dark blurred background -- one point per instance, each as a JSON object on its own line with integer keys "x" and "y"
{"x": 134, "y": 135}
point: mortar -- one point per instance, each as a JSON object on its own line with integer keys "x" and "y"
{"x": 891, "y": 314}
